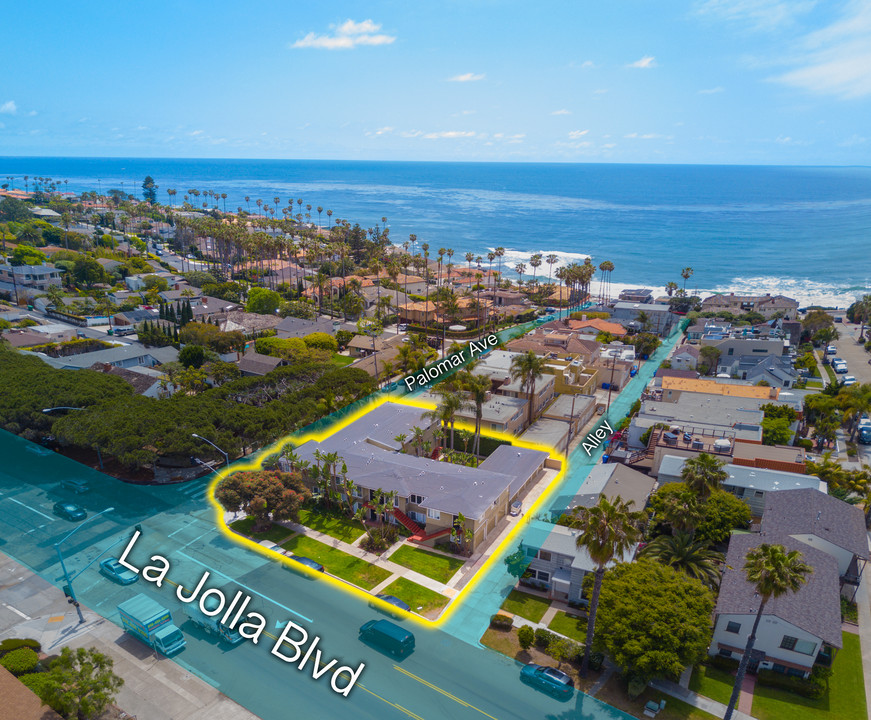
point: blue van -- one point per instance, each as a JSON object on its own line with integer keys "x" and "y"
{"x": 388, "y": 636}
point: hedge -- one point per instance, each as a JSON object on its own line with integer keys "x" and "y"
{"x": 722, "y": 663}
{"x": 813, "y": 688}
{"x": 14, "y": 643}
{"x": 501, "y": 622}
{"x": 21, "y": 661}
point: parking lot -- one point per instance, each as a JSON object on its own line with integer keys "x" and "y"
{"x": 853, "y": 352}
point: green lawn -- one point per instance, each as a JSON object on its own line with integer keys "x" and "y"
{"x": 437, "y": 567}
{"x": 340, "y": 528}
{"x": 814, "y": 384}
{"x": 573, "y": 627}
{"x": 342, "y": 360}
{"x": 844, "y": 701}
{"x": 341, "y": 564}
{"x": 530, "y": 607}
{"x": 276, "y": 533}
{"x": 421, "y": 599}
{"x": 713, "y": 683}
{"x": 614, "y": 693}
{"x": 831, "y": 373}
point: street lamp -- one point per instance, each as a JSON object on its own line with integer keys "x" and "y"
{"x": 68, "y": 588}
{"x": 226, "y": 456}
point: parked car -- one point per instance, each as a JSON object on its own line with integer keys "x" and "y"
{"x": 831, "y": 350}
{"x": 549, "y": 679}
{"x": 114, "y": 570}
{"x": 402, "y": 327}
{"x": 308, "y": 562}
{"x": 70, "y": 511}
{"x": 392, "y": 600}
{"x": 849, "y": 380}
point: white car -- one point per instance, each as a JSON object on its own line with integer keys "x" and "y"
{"x": 849, "y": 380}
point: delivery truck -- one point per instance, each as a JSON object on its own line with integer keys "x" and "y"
{"x": 212, "y": 625}
{"x": 152, "y": 623}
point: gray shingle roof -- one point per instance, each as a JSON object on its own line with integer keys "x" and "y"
{"x": 790, "y": 512}
{"x": 815, "y": 608}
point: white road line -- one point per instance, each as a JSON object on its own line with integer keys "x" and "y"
{"x": 197, "y": 538}
{"x": 17, "y": 502}
{"x": 17, "y": 612}
{"x": 183, "y": 527}
{"x": 268, "y": 599}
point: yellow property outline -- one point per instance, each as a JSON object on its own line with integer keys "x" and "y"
{"x": 359, "y": 593}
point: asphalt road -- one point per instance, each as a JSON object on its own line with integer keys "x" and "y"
{"x": 444, "y": 678}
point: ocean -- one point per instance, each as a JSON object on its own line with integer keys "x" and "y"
{"x": 801, "y": 231}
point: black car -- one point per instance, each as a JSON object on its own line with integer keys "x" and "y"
{"x": 549, "y": 679}
{"x": 70, "y": 511}
{"x": 392, "y": 600}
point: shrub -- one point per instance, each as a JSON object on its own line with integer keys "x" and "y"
{"x": 321, "y": 341}
{"x": 813, "y": 688}
{"x": 805, "y": 443}
{"x": 20, "y": 661}
{"x": 39, "y": 683}
{"x": 15, "y": 643}
{"x": 726, "y": 664}
{"x": 526, "y": 636}
{"x": 501, "y": 622}
{"x": 543, "y": 638}
{"x": 596, "y": 659}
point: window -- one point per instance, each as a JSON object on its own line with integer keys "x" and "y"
{"x": 758, "y": 493}
{"x": 731, "y": 351}
{"x": 725, "y": 653}
{"x": 416, "y": 499}
{"x": 433, "y": 514}
{"x": 806, "y": 647}
{"x": 531, "y": 552}
{"x": 543, "y": 576}
{"x": 788, "y": 642}
{"x": 544, "y": 555}
{"x": 733, "y": 627}
{"x": 395, "y": 501}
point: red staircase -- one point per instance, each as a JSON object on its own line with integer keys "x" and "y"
{"x": 403, "y": 519}
{"x": 421, "y": 537}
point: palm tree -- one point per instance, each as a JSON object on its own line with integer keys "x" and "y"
{"x": 686, "y": 274}
{"x": 418, "y": 435}
{"x": 477, "y": 386}
{"x": 703, "y": 474}
{"x": 607, "y": 531}
{"x": 774, "y": 572}
{"x": 535, "y": 263}
{"x": 691, "y": 557}
{"x": 446, "y": 412}
{"x": 670, "y": 287}
{"x": 528, "y": 367}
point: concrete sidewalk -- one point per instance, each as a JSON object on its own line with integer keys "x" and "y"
{"x": 154, "y": 687}
{"x": 699, "y": 701}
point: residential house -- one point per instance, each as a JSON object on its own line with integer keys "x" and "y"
{"x": 766, "y": 305}
{"x": 133, "y": 317}
{"x": 659, "y": 320}
{"x": 252, "y": 363}
{"x": 291, "y": 327}
{"x": 750, "y": 484}
{"x": 595, "y": 326}
{"x": 497, "y": 366}
{"x": 123, "y": 356}
{"x": 819, "y": 520}
{"x": 639, "y": 295}
{"x": 35, "y": 277}
{"x": 498, "y": 413}
{"x": 576, "y": 409}
{"x": 685, "y": 357}
{"x": 797, "y": 629}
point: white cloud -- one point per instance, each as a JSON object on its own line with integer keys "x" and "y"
{"x": 577, "y": 134}
{"x": 757, "y": 15}
{"x": 346, "y": 36}
{"x": 836, "y": 60}
{"x": 411, "y": 133}
{"x": 381, "y": 131}
{"x": 466, "y": 77}
{"x": 561, "y": 112}
{"x": 600, "y": 91}
{"x": 449, "y": 134}
{"x": 32, "y": 113}
{"x": 853, "y": 140}
{"x": 711, "y": 91}
{"x": 195, "y": 133}
{"x": 645, "y": 63}
{"x": 648, "y": 136}
{"x": 9, "y": 108}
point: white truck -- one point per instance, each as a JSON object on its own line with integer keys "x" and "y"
{"x": 212, "y": 625}
{"x": 152, "y": 623}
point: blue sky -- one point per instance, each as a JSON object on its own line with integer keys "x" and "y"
{"x": 698, "y": 81}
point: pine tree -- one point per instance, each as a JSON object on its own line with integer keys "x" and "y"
{"x": 162, "y": 312}
{"x": 175, "y": 334}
